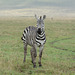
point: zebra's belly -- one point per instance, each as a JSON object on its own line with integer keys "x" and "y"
{"x": 30, "y": 41}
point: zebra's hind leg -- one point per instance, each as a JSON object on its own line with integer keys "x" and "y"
{"x": 25, "y": 52}
{"x": 33, "y": 56}
{"x": 40, "y": 55}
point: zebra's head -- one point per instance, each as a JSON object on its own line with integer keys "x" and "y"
{"x": 40, "y": 23}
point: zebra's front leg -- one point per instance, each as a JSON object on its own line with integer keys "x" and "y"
{"x": 40, "y": 55}
{"x": 25, "y": 52}
{"x": 33, "y": 55}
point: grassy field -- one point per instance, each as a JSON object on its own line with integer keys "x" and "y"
{"x": 59, "y": 51}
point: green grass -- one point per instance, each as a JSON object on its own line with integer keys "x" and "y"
{"x": 59, "y": 51}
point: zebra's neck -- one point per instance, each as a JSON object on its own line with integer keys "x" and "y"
{"x": 40, "y": 39}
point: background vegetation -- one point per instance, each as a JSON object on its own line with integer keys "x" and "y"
{"x": 59, "y": 51}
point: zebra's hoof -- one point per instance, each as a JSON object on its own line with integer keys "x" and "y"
{"x": 34, "y": 66}
{"x": 40, "y": 65}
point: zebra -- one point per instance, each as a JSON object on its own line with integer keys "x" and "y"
{"x": 35, "y": 37}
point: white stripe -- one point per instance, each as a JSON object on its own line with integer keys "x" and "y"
{"x": 24, "y": 34}
{"x": 42, "y": 35}
{"x": 41, "y": 41}
{"x": 40, "y": 38}
{"x": 38, "y": 44}
{"x": 24, "y": 39}
{"x": 26, "y": 31}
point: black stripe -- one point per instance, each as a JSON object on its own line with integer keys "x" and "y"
{"x": 24, "y": 40}
{"x": 23, "y": 36}
{"x": 38, "y": 42}
{"x": 24, "y": 31}
{"x": 40, "y": 38}
{"x": 27, "y": 29}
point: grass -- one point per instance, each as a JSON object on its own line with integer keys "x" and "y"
{"x": 59, "y": 51}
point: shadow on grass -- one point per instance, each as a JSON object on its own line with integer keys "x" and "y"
{"x": 59, "y": 47}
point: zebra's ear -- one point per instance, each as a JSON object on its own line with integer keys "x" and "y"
{"x": 36, "y": 17}
{"x": 44, "y": 16}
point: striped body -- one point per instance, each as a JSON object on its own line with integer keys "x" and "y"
{"x": 31, "y": 36}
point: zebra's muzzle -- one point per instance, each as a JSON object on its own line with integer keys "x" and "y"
{"x": 39, "y": 31}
